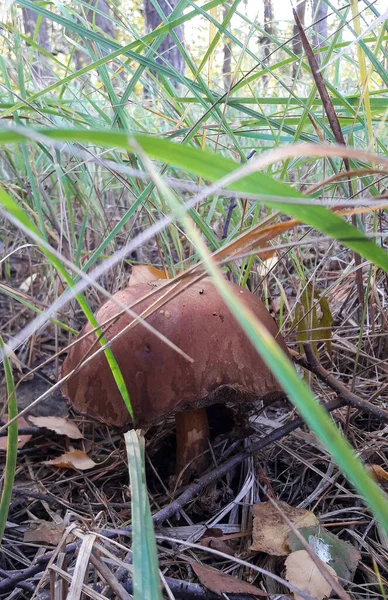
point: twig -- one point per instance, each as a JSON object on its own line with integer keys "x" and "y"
{"x": 232, "y": 206}
{"x": 185, "y": 590}
{"x": 52, "y": 500}
{"x": 111, "y": 580}
{"x": 312, "y": 364}
{"x": 335, "y": 126}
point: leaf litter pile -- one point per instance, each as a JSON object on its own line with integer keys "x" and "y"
{"x": 269, "y": 516}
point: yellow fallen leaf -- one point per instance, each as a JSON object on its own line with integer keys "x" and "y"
{"x": 378, "y": 473}
{"x": 145, "y": 274}
{"x": 306, "y": 575}
{"x": 270, "y": 532}
{"x": 75, "y": 459}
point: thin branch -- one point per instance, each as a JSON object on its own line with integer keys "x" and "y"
{"x": 312, "y": 364}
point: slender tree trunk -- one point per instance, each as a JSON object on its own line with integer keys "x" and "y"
{"x": 297, "y": 47}
{"x": 101, "y": 20}
{"x": 227, "y": 64}
{"x": 168, "y": 52}
{"x": 30, "y": 20}
{"x": 319, "y": 9}
{"x": 268, "y": 28}
{"x": 98, "y": 20}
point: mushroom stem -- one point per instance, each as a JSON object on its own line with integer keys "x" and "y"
{"x": 192, "y": 435}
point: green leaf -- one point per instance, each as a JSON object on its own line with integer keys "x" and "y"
{"x": 340, "y": 555}
{"x": 12, "y": 443}
{"x": 146, "y": 580}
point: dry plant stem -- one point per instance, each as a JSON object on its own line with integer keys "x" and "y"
{"x": 336, "y": 129}
{"x": 185, "y": 590}
{"x": 192, "y": 440}
{"x": 169, "y": 511}
{"x": 343, "y": 392}
{"x": 111, "y": 580}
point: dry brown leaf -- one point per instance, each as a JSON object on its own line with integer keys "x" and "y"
{"x": 304, "y": 574}
{"x": 45, "y": 532}
{"x": 217, "y": 543}
{"x": 214, "y": 538}
{"x": 75, "y": 459}
{"x": 22, "y": 439}
{"x": 270, "y": 532}
{"x": 220, "y": 583}
{"x": 378, "y": 473}
{"x": 254, "y": 239}
{"x": 59, "y": 425}
{"x": 144, "y": 274}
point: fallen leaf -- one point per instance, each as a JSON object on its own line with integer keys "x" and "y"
{"x": 214, "y": 538}
{"x": 217, "y": 544}
{"x": 25, "y": 286}
{"x": 378, "y": 473}
{"x": 220, "y": 583}
{"x": 304, "y": 574}
{"x": 45, "y": 532}
{"x": 145, "y": 274}
{"x": 213, "y": 532}
{"x": 270, "y": 532}
{"x": 340, "y": 555}
{"x": 59, "y": 425}
{"x": 75, "y": 459}
{"x": 269, "y": 260}
{"x": 22, "y": 439}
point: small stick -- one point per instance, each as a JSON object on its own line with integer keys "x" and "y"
{"x": 110, "y": 579}
{"x": 232, "y": 206}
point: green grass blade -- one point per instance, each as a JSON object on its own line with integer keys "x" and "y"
{"x": 146, "y": 580}
{"x": 12, "y": 443}
{"x": 214, "y": 167}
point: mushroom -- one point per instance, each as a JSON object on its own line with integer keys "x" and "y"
{"x": 225, "y": 368}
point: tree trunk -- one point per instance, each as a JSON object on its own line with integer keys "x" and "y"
{"x": 297, "y": 47}
{"x": 227, "y": 64}
{"x": 319, "y": 8}
{"x": 30, "y": 19}
{"x": 101, "y": 21}
{"x": 268, "y": 25}
{"x": 168, "y": 53}
{"x": 97, "y": 20}
{"x": 268, "y": 28}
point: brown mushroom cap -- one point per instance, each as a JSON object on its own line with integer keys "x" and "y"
{"x": 160, "y": 381}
